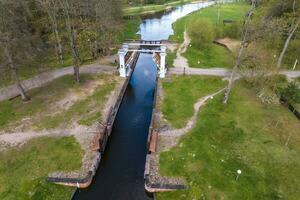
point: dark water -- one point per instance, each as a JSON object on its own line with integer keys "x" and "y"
{"x": 120, "y": 175}
{"x": 121, "y": 171}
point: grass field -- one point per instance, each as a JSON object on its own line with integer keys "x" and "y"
{"x": 170, "y": 58}
{"x": 44, "y": 97}
{"x": 23, "y": 171}
{"x": 216, "y": 56}
{"x": 179, "y": 101}
{"x": 232, "y": 11}
{"x": 245, "y": 135}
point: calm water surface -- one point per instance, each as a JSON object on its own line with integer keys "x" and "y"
{"x": 120, "y": 174}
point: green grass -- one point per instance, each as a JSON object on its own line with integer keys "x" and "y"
{"x": 131, "y": 27}
{"x": 245, "y": 135}
{"x": 145, "y": 9}
{"x": 85, "y": 112}
{"x": 42, "y": 99}
{"x": 216, "y": 56}
{"x": 232, "y": 11}
{"x": 170, "y": 58}
{"x": 23, "y": 171}
{"x": 182, "y": 92}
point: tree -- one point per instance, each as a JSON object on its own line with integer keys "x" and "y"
{"x": 201, "y": 38}
{"x": 51, "y": 7}
{"x": 15, "y": 38}
{"x": 71, "y": 14}
{"x": 295, "y": 18}
{"x": 244, "y": 44}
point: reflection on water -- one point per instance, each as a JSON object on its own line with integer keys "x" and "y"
{"x": 121, "y": 170}
{"x": 161, "y": 28}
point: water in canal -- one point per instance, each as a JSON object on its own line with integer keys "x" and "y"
{"x": 120, "y": 173}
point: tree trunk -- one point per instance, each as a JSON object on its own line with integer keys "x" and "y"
{"x": 232, "y": 76}
{"x": 76, "y": 58}
{"x": 58, "y": 44}
{"x": 238, "y": 60}
{"x": 16, "y": 76}
{"x": 72, "y": 39}
{"x": 287, "y": 42}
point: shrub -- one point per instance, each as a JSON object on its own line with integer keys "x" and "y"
{"x": 202, "y": 33}
{"x": 291, "y": 93}
{"x": 233, "y": 30}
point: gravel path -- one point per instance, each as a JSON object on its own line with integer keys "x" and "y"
{"x": 180, "y": 61}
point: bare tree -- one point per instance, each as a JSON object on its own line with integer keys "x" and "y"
{"x": 51, "y": 7}
{"x": 70, "y": 14}
{"x": 291, "y": 32}
{"x": 243, "y": 46}
{"x": 14, "y": 38}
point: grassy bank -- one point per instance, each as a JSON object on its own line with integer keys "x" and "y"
{"x": 232, "y": 11}
{"x": 260, "y": 140}
{"x": 216, "y": 56}
{"x": 23, "y": 171}
{"x": 44, "y": 99}
{"x": 149, "y": 9}
{"x": 180, "y": 94}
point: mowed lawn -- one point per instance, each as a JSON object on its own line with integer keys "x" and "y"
{"x": 216, "y": 56}
{"x": 179, "y": 101}
{"x": 262, "y": 141}
{"x": 23, "y": 171}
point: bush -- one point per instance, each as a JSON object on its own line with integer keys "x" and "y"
{"x": 291, "y": 93}
{"x": 202, "y": 33}
{"x": 233, "y": 30}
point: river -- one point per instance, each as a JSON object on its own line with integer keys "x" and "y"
{"x": 120, "y": 175}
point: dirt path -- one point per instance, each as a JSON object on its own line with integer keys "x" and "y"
{"x": 19, "y": 137}
{"x": 169, "y": 138}
{"x": 232, "y": 44}
{"x": 180, "y": 61}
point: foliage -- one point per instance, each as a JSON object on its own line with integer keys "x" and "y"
{"x": 233, "y": 11}
{"x": 291, "y": 93}
{"x": 216, "y": 56}
{"x": 245, "y": 135}
{"x": 179, "y": 100}
{"x": 233, "y": 30}
{"x": 201, "y": 37}
{"x": 23, "y": 171}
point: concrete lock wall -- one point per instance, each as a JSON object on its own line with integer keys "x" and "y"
{"x": 42, "y": 79}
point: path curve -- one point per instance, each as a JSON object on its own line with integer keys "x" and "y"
{"x": 192, "y": 121}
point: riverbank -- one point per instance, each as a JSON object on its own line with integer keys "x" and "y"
{"x": 62, "y": 112}
{"x": 216, "y": 56}
{"x": 152, "y": 9}
{"x": 238, "y": 136}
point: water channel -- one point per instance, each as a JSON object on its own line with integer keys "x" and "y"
{"x": 120, "y": 173}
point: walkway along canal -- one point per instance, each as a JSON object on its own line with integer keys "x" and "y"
{"x": 120, "y": 175}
